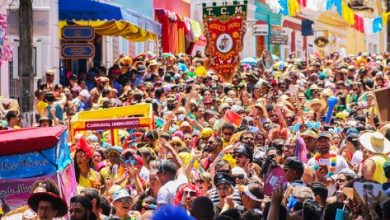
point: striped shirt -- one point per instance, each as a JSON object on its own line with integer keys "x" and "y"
{"x": 236, "y": 198}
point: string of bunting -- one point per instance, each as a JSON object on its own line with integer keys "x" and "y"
{"x": 364, "y": 25}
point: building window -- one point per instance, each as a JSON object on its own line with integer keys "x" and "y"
{"x": 13, "y": 83}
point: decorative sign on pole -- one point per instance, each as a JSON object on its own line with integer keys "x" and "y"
{"x": 278, "y": 35}
{"x": 224, "y": 27}
{"x": 77, "y": 50}
{"x": 260, "y": 29}
{"x": 78, "y": 33}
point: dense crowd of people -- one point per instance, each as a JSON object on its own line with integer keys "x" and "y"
{"x": 294, "y": 140}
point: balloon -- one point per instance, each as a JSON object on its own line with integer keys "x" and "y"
{"x": 332, "y": 101}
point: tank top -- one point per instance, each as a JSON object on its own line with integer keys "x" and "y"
{"x": 379, "y": 174}
{"x": 91, "y": 181}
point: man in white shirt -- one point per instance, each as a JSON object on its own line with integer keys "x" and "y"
{"x": 167, "y": 175}
{"x": 326, "y": 165}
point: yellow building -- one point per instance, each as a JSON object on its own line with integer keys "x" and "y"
{"x": 344, "y": 37}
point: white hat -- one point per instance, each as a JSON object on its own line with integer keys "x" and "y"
{"x": 238, "y": 170}
{"x": 375, "y": 142}
{"x": 237, "y": 108}
{"x": 181, "y": 110}
{"x": 122, "y": 193}
{"x": 85, "y": 93}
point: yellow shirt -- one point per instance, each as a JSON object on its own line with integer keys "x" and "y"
{"x": 91, "y": 181}
{"x": 41, "y": 106}
{"x": 379, "y": 174}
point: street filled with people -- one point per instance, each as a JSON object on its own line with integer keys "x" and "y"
{"x": 290, "y": 139}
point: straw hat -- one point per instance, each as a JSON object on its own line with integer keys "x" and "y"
{"x": 384, "y": 129}
{"x": 262, "y": 107}
{"x": 153, "y": 63}
{"x": 185, "y": 124}
{"x": 375, "y": 142}
{"x": 177, "y": 140}
{"x": 57, "y": 202}
{"x": 312, "y": 102}
{"x": 126, "y": 60}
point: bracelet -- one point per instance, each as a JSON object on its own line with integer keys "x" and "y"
{"x": 221, "y": 155}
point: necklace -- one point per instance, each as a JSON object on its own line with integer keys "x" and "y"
{"x": 333, "y": 162}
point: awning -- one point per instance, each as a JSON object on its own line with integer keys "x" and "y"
{"x": 29, "y": 139}
{"x": 108, "y": 19}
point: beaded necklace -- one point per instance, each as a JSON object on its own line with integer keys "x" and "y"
{"x": 333, "y": 163}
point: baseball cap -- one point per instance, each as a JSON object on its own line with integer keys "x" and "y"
{"x": 119, "y": 194}
{"x": 221, "y": 178}
{"x": 237, "y": 108}
{"x": 238, "y": 170}
{"x": 223, "y": 106}
{"x": 324, "y": 134}
{"x": 141, "y": 68}
{"x": 309, "y": 133}
{"x": 242, "y": 150}
{"x": 352, "y": 130}
{"x": 352, "y": 136}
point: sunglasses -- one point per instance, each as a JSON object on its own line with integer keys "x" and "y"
{"x": 189, "y": 192}
{"x": 176, "y": 144}
{"x": 239, "y": 176}
{"x": 125, "y": 200}
{"x": 130, "y": 161}
{"x": 199, "y": 181}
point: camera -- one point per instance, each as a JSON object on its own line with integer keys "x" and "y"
{"x": 368, "y": 187}
{"x": 268, "y": 165}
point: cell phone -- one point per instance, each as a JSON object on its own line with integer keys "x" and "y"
{"x": 324, "y": 167}
{"x": 368, "y": 187}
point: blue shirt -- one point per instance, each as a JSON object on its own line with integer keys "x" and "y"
{"x": 59, "y": 112}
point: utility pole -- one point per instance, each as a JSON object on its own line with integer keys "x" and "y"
{"x": 26, "y": 72}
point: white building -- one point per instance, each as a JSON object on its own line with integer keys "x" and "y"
{"x": 45, "y": 42}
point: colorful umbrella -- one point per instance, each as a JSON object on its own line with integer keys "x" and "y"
{"x": 249, "y": 60}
